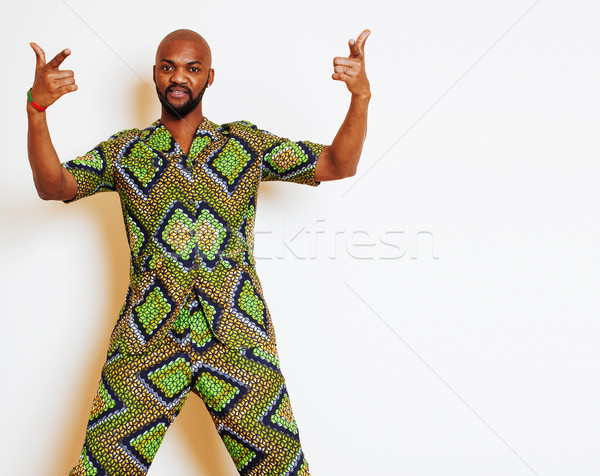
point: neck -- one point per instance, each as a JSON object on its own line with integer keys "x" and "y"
{"x": 189, "y": 123}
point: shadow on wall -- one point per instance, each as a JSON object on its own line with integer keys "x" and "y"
{"x": 193, "y": 429}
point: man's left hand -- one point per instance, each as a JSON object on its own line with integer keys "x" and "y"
{"x": 351, "y": 70}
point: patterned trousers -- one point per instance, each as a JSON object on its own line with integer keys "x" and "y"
{"x": 140, "y": 395}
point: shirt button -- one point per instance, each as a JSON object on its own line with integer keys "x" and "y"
{"x": 188, "y": 170}
{"x": 196, "y": 266}
{"x": 191, "y": 202}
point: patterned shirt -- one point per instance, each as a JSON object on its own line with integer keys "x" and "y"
{"x": 190, "y": 224}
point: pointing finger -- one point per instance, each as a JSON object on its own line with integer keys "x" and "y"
{"x": 40, "y": 57}
{"x": 59, "y": 58}
{"x": 61, "y": 74}
{"x": 346, "y": 61}
{"x": 360, "y": 42}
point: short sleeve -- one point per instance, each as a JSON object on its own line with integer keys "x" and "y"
{"x": 93, "y": 171}
{"x": 289, "y": 161}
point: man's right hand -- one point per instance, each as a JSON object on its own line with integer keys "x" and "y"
{"x": 50, "y": 83}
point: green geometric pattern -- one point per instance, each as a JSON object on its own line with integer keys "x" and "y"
{"x": 87, "y": 465}
{"x": 250, "y": 303}
{"x": 178, "y": 234}
{"x": 136, "y": 236}
{"x": 212, "y": 234}
{"x": 273, "y": 360}
{"x": 160, "y": 140}
{"x": 287, "y": 156}
{"x": 198, "y": 145}
{"x": 216, "y": 392}
{"x": 140, "y": 162}
{"x": 199, "y": 331}
{"x": 148, "y": 442}
{"x": 208, "y": 308}
{"x": 241, "y": 455}
{"x": 173, "y": 378}
{"x": 283, "y": 416}
{"x": 232, "y": 160}
{"x": 153, "y": 310}
{"x": 103, "y": 402}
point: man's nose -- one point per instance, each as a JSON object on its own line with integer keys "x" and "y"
{"x": 178, "y": 76}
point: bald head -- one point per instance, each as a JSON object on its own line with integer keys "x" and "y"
{"x": 185, "y": 39}
{"x": 182, "y": 73}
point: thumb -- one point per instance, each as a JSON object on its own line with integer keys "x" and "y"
{"x": 40, "y": 56}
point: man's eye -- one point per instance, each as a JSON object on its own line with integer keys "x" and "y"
{"x": 194, "y": 70}
{"x": 166, "y": 67}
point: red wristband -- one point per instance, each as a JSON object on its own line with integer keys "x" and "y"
{"x": 33, "y": 103}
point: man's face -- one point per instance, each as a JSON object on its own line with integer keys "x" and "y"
{"x": 181, "y": 74}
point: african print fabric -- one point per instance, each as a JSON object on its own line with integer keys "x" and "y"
{"x": 190, "y": 224}
{"x": 140, "y": 395}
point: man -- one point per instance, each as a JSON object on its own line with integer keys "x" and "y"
{"x": 194, "y": 317}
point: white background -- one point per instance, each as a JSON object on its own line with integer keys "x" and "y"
{"x": 460, "y": 339}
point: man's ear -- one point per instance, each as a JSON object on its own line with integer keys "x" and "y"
{"x": 154, "y": 74}
{"x": 211, "y": 76}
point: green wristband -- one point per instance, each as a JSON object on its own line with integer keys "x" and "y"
{"x": 33, "y": 103}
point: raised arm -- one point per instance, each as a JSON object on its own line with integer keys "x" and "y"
{"x": 340, "y": 159}
{"x": 52, "y": 181}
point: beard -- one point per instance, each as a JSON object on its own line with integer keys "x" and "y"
{"x": 180, "y": 112}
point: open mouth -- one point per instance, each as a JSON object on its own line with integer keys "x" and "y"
{"x": 177, "y": 92}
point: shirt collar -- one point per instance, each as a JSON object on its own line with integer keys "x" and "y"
{"x": 157, "y": 136}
